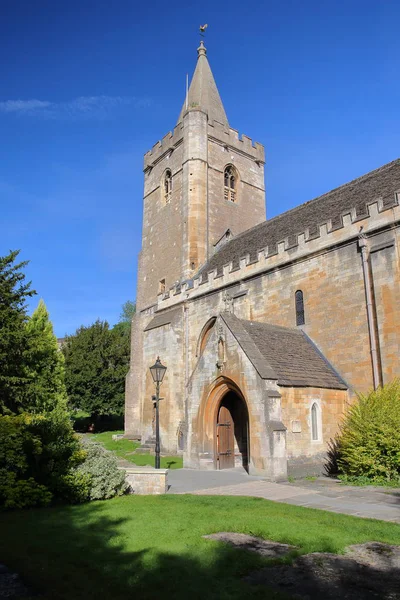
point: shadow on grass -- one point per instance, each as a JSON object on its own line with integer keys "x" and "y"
{"x": 62, "y": 556}
{"x": 170, "y": 463}
{"x": 82, "y": 553}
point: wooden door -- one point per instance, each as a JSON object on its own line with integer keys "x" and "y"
{"x": 225, "y": 439}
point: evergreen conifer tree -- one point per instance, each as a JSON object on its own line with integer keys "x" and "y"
{"x": 14, "y": 291}
{"x": 45, "y": 364}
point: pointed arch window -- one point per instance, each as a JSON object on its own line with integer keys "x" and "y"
{"x": 299, "y": 305}
{"x": 230, "y": 184}
{"x": 167, "y": 186}
{"x": 315, "y": 423}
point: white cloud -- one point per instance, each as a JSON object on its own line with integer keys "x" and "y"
{"x": 23, "y": 106}
{"x": 83, "y": 107}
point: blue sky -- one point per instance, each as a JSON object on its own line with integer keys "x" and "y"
{"x": 88, "y": 87}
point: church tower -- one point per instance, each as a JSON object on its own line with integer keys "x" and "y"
{"x": 200, "y": 182}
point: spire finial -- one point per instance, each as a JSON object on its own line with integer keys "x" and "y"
{"x": 201, "y": 50}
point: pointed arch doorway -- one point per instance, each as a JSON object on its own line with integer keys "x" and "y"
{"x": 232, "y": 432}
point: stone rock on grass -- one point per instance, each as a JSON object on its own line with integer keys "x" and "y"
{"x": 11, "y": 586}
{"x": 266, "y": 548}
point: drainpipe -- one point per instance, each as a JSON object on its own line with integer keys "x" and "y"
{"x": 186, "y": 366}
{"x": 362, "y": 244}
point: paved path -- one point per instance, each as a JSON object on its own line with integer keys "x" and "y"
{"x": 323, "y": 493}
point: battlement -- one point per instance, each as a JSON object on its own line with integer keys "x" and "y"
{"x": 285, "y": 251}
{"x": 167, "y": 144}
{"x": 226, "y": 136}
{"x": 231, "y": 137}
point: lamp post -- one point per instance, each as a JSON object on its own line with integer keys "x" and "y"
{"x": 157, "y": 372}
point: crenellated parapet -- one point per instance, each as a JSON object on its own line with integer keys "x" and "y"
{"x": 227, "y": 136}
{"x": 285, "y": 252}
{"x": 168, "y": 144}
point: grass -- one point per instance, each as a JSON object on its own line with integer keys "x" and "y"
{"x": 151, "y": 547}
{"x": 125, "y": 448}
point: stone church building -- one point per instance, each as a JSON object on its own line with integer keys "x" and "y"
{"x": 267, "y": 327}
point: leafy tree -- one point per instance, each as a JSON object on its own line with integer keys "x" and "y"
{"x": 128, "y": 310}
{"x": 125, "y": 318}
{"x": 96, "y": 363}
{"x": 14, "y": 291}
{"x": 45, "y": 364}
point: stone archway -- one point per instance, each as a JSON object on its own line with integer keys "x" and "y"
{"x": 232, "y": 432}
{"x": 224, "y": 420}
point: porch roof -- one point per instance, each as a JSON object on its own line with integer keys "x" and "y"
{"x": 285, "y": 354}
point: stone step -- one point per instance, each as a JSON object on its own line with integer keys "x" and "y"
{"x": 148, "y": 447}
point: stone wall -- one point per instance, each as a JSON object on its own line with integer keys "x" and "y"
{"x": 162, "y": 235}
{"x": 179, "y": 236}
{"x": 167, "y": 342}
{"x": 385, "y": 275}
{"x": 331, "y": 278}
{"x": 305, "y": 455}
{"x": 249, "y": 207}
{"x": 146, "y": 481}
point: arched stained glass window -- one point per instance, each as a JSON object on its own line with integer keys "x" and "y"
{"x": 299, "y": 304}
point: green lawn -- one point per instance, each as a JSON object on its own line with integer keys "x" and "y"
{"x": 125, "y": 448}
{"x": 145, "y": 548}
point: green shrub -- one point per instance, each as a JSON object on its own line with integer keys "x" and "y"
{"x": 38, "y": 455}
{"x": 22, "y": 493}
{"x": 106, "y": 480}
{"x": 61, "y": 450}
{"x": 369, "y": 443}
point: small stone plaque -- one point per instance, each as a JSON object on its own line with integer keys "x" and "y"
{"x": 296, "y": 427}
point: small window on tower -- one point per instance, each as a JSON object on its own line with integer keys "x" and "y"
{"x": 299, "y": 304}
{"x": 161, "y": 286}
{"x": 167, "y": 186}
{"x": 230, "y": 184}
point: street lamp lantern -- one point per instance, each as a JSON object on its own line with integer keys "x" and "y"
{"x": 157, "y": 372}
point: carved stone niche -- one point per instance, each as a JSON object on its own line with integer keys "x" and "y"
{"x": 221, "y": 353}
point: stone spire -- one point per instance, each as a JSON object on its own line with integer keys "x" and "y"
{"x": 203, "y": 92}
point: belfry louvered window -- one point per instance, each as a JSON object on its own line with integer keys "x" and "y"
{"x": 230, "y": 183}
{"x": 299, "y": 304}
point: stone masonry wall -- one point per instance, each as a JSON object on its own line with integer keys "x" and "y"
{"x": 249, "y": 207}
{"x": 302, "y": 451}
{"x": 162, "y": 236}
{"x": 331, "y": 279}
{"x": 166, "y": 342}
{"x": 385, "y": 275}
